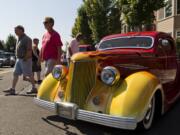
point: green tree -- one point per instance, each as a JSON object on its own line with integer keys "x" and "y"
{"x": 114, "y": 23}
{"x": 136, "y": 13}
{"x": 2, "y": 45}
{"x": 10, "y": 44}
{"x": 81, "y": 25}
{"x": 96, "y": 19}
{"x": 104, "y": 17}
{"x": 97, "y": 11}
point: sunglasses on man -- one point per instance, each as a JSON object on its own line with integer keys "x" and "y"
{"x": 45, "y": 23}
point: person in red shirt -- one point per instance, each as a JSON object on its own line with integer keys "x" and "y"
{"x": 51, "y": 46}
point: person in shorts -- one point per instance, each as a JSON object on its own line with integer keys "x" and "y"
{"x": 36, "y": 67}
{"x": 51, "y": 46}
{"x": 23, "y": 65}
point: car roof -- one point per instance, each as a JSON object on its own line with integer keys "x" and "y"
{"x": 146, "y": 33}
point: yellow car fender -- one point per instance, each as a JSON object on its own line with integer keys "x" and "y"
{"x": 48, "y": 89}
{"x": 133, "y": 96}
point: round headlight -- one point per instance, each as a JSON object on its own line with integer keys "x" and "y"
{"x": 110, "y": 75}
{"x": 57, "y": 71}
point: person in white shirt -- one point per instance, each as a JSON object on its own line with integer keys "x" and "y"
{"x": 74, "y": 46}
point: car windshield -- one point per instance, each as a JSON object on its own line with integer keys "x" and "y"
{"x": 127, "y": 42}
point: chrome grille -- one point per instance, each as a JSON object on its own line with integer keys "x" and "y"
{"x": 82, "y": 78}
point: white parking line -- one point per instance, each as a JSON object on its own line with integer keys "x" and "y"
{"x": 4, "y": 72}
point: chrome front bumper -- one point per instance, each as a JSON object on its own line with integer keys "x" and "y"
{"x": 71, "y": 111}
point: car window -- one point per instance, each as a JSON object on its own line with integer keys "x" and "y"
{"x": 127, "y": 42}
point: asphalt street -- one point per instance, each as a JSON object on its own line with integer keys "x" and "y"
{"x": 20, "y": 116}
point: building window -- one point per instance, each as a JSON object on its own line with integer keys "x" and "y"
{"x": 161, "y": 14}
{"x": 178, "y": 34}
{"x": 178, "y": 6}
{"x": 166, "y": 11}
{"x": 168, "y": 8}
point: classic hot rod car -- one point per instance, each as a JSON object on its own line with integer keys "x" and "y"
{"x": 130, "y": 80}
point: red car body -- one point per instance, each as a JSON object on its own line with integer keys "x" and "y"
{"x": 162, "y": 61}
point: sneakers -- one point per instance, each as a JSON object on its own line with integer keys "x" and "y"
{"x": 10, "y": 91}
{"x": 39, "y": 81}
{"x": 32, "y": 91}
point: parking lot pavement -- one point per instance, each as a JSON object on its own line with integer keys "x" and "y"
{"x": 6, "y": 80}
{"x": 20, "y": 116}
{"x": 5, "y": 70}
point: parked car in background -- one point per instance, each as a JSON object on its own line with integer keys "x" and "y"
{"x": 7, "y": 59}
{"x": 128, "y": 82}
{"x": 1, "y": 51}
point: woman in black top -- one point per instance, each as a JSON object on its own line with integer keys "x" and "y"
{"x": 36, "y": 67}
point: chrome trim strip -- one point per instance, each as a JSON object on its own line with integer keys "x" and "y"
{"x": 45, "y": 104}
{"x": 132, "y": 66}
{"x": 107, "y": 120}
{"x": 93, "y": 117}
{"x": 77, "y": 93}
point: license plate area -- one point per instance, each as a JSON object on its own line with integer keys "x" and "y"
{"x": 66, "y": 110}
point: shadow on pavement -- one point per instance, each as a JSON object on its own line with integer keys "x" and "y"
{"x": 21, "y": 95}
{"x": 85, "y": 127}
{"x": 7, "y": 94}
{"x": 166, "y": 125}
{"x": 27, "y": 95}
{"x": 54, "y": 125}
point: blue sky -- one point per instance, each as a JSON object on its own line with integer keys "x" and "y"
{"x": 30, "y": 14}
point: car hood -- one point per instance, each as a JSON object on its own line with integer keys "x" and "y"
{"x": 105, "y": 55}
{"x": 126, "y": 62}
